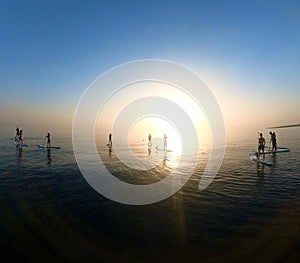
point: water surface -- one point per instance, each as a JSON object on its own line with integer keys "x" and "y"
{"x": 48, "y": 210}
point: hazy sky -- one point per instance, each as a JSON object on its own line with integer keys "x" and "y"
{"x": 248, "y": 53}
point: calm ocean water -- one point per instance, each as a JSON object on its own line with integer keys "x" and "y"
{"x": 48, "y": 212}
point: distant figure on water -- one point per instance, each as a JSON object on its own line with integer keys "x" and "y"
{"x": 261, "y": 144}
{"x": 21, "y": 138}
{"x": 17, "y": 133}
{"x": 149, "y": 140}
{"x": 273, "y": 140}
{"x": 149, "y": 144}
{"x": 165, "y": 142}
{"x": 110, "y": 140}
{"x": 48, "y": 140}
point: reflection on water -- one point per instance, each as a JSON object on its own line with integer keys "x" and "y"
{"x": 19, "y": 150}
{"x": 260, "y": 170}
{"x": 274, "y": 158}
{"x": 109, "y": 150}
{"x": 49, "y": 156}
{"x": 149, "y": 146}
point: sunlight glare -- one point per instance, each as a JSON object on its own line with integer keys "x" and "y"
{"x": 157, "y": 127}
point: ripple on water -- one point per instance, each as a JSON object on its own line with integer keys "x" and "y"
{"x": 44, "y": 188}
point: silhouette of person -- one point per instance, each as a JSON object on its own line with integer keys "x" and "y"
{"x": 273, "y": 140}
{"x": 165, "y": 142}
{"x": 149, "y": 139}
{"x": 261, "y": 145}
{"x": 21, "y": 137}
{"x": 17, "y": 133}
{"x": 110, "y": 139}
{"x": 48, "y": 140}
{"x": 149, "y": 144}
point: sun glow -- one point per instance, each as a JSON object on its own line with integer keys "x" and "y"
{"x": 156, "y": 125}
{"x": 158, "y": 128}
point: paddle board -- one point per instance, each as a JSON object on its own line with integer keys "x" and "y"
{"x": 254, "y": 158}
{"x": 22, "y": 145}
{"x": 158, "y": 149}
{"x": 46, "y": 147}
{"x": 268, "y": 150}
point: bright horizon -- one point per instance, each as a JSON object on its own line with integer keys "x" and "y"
{"x": 247, "y": 54}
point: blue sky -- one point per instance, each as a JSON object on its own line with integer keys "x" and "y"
{"x": 246, "y": 51}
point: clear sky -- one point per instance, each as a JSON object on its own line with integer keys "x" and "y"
{"x": 247, "y": 52}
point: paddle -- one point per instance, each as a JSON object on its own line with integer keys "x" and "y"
{"x": 284, "y": 126}
{"x": 258, "y": 140}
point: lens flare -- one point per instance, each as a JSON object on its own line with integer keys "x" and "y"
{"x": 164, "y": 105}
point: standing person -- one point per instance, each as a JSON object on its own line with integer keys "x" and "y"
{"x": 274, "y": 141}
{"x": 165, "y": 142}
{"x": 261, "y": 145}
{"x": 48, "y": 140}
{"x": 21, "y": 137}
{"x": 17, "y": 133}
{"x": 149, "y": 140}
{"x": 109, "y": 139}
{"x": 149, "y": 144}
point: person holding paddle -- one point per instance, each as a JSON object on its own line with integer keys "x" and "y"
{"x": 261, "y": 145}
{"x": 273, "y": 141}
{"x": 165, "y": 142}
{"x": 48, "y": 140}
{"x": 48, "y": 145}
{"x": 109, "y": 140}
{"x": 17, "y": 133}
{"x": 21, "y": 139}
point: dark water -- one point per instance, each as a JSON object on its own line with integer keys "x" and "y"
{"x": 48, "y": 212}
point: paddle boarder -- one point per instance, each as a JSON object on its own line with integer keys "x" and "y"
{"x": 149, "y": 144}
{"x": 48, "y": 140}
{"x": 109, "y": 139}
{"x": 149, "y": 140}
{"x": 273, "y": 140}
{"x": 261, "y": 145}
{"x": 21, "y": 137}
{"x": 17, "y": 133}
{"x": 165, "y": 142}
